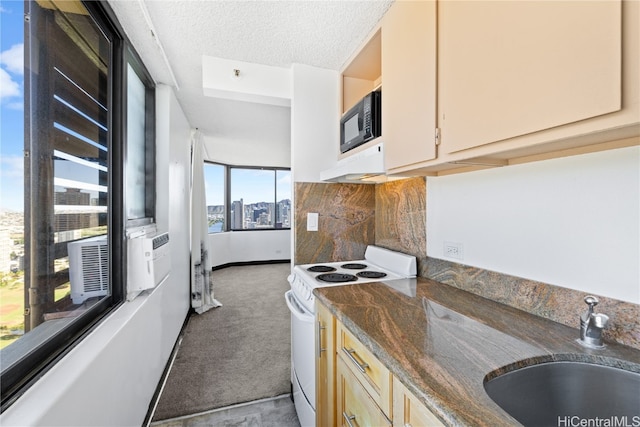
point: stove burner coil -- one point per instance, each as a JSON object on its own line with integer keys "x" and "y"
{"x": 354, "y": 266}
{"x": 336, "y": 277}
{"x": 320, "y": 269}
{"x": 371, "y": 274}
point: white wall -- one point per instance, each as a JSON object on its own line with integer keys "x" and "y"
{"x": 314, "y": 125}
{"x": 261, "y": 135}
{"x": 109, "y": 378}
{"x": 273, "y": 151}
{"x": 306, "y": 134}
{"x": 262, "y": 138}
{"x": 246, "y": 246}
{"x": 572, "y": 222}
{"x": 314, "y": 121}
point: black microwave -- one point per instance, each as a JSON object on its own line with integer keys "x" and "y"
{"x": 361, "y": 123}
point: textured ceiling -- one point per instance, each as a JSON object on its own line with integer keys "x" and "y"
{"x": 319, "y": 33}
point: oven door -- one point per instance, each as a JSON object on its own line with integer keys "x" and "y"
{"x": 303, "y": 349}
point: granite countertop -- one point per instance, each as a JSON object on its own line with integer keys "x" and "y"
{"x": 442, "y": 342}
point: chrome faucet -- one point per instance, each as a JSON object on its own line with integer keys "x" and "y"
{"x": 592, "y": 324}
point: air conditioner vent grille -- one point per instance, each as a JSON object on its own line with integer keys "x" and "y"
{"x": 88, "y": 268}
{"x": 95, "y": 268}
{"x": 160, "y": 240}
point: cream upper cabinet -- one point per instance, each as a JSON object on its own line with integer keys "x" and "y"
{"x": 409, "y": 89}
{"x": 512, "y": 68}
{"x": 510, "y": 81}
{"x": 363, "y": 73}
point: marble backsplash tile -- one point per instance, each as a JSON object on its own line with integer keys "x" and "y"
{"x": 401, "y": 225}
{"x": 401, "y": 217}
{"x": 346, "y": 222}
{"x": 559, "y": 304}
{"x": 393, "y": 215}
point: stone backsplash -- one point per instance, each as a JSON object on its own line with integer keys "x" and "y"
{"x": 346, "y": 221}
{"x": 401, "y": 217}
{"x": 559, "y": 304}
{"x": 393, "y": 215}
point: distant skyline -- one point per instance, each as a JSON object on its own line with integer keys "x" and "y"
{"x": 12, "y": 105}
{"x": 249, "y": 183}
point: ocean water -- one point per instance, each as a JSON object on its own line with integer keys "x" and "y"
{"x": 215, "y": 227}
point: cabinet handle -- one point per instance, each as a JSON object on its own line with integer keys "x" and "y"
{"x": 348, "y": 418}
{"x": 350, "y": 353}
{"x": 319, "y": 339}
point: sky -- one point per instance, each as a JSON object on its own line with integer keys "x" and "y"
{"x": 11, "y": 105}
{"x": 252, "y": 187}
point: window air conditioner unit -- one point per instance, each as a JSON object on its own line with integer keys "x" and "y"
{"x": 88, "y": 268}
{"x": 148, "y": 262}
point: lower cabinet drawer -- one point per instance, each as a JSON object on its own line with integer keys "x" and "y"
{"x": 371, "y": 372}
{"x": 354, "y": 406}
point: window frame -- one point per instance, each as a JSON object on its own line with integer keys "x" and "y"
{"x": 17, "y": 378}
{"x": 227, "y": 196}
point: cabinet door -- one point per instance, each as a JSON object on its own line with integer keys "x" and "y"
{"x": 366, "y": 367}
{"x": 510, "y": 68}
{"x": 409, "y": 83}
{"x": 408, "y": 411}
{"x": 354, "y": 406}
{"x": 325, "y": 367}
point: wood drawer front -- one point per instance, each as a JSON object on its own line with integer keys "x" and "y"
{"x": 408, "y": 411}
{"x": 354, "y": 402}
{"x": 372, "y": 374}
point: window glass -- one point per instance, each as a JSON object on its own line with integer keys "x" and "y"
{"x": 247, "y": 198}
{"x": 66, "y": 173}
{"x": 12, "y": 173}
{"x": 61, "y": 153}
{"x": 215, "y": 193}
{"x": 140, "y": 143}
{"x": 136, "y": 165}
{"x": 252, "y": 198}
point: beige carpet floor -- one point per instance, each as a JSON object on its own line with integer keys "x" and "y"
{"x": 236, "y": 353}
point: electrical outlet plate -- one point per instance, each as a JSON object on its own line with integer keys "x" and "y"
{"x": 453, "y": 250}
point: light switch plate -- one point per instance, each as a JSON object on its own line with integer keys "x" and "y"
{"x": 312, "y": 221}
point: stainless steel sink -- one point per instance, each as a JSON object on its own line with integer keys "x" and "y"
{"x": 552, "y": 393}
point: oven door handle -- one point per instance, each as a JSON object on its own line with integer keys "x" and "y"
{"x": 297, "y": 309}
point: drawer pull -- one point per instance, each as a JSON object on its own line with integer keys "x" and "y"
{"x": 351, "y": 354}
{"x": 348, "y": 418}
{"x": 319, "y": 339}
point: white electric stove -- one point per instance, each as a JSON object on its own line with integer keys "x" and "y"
{"x": 379, "y": 264}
